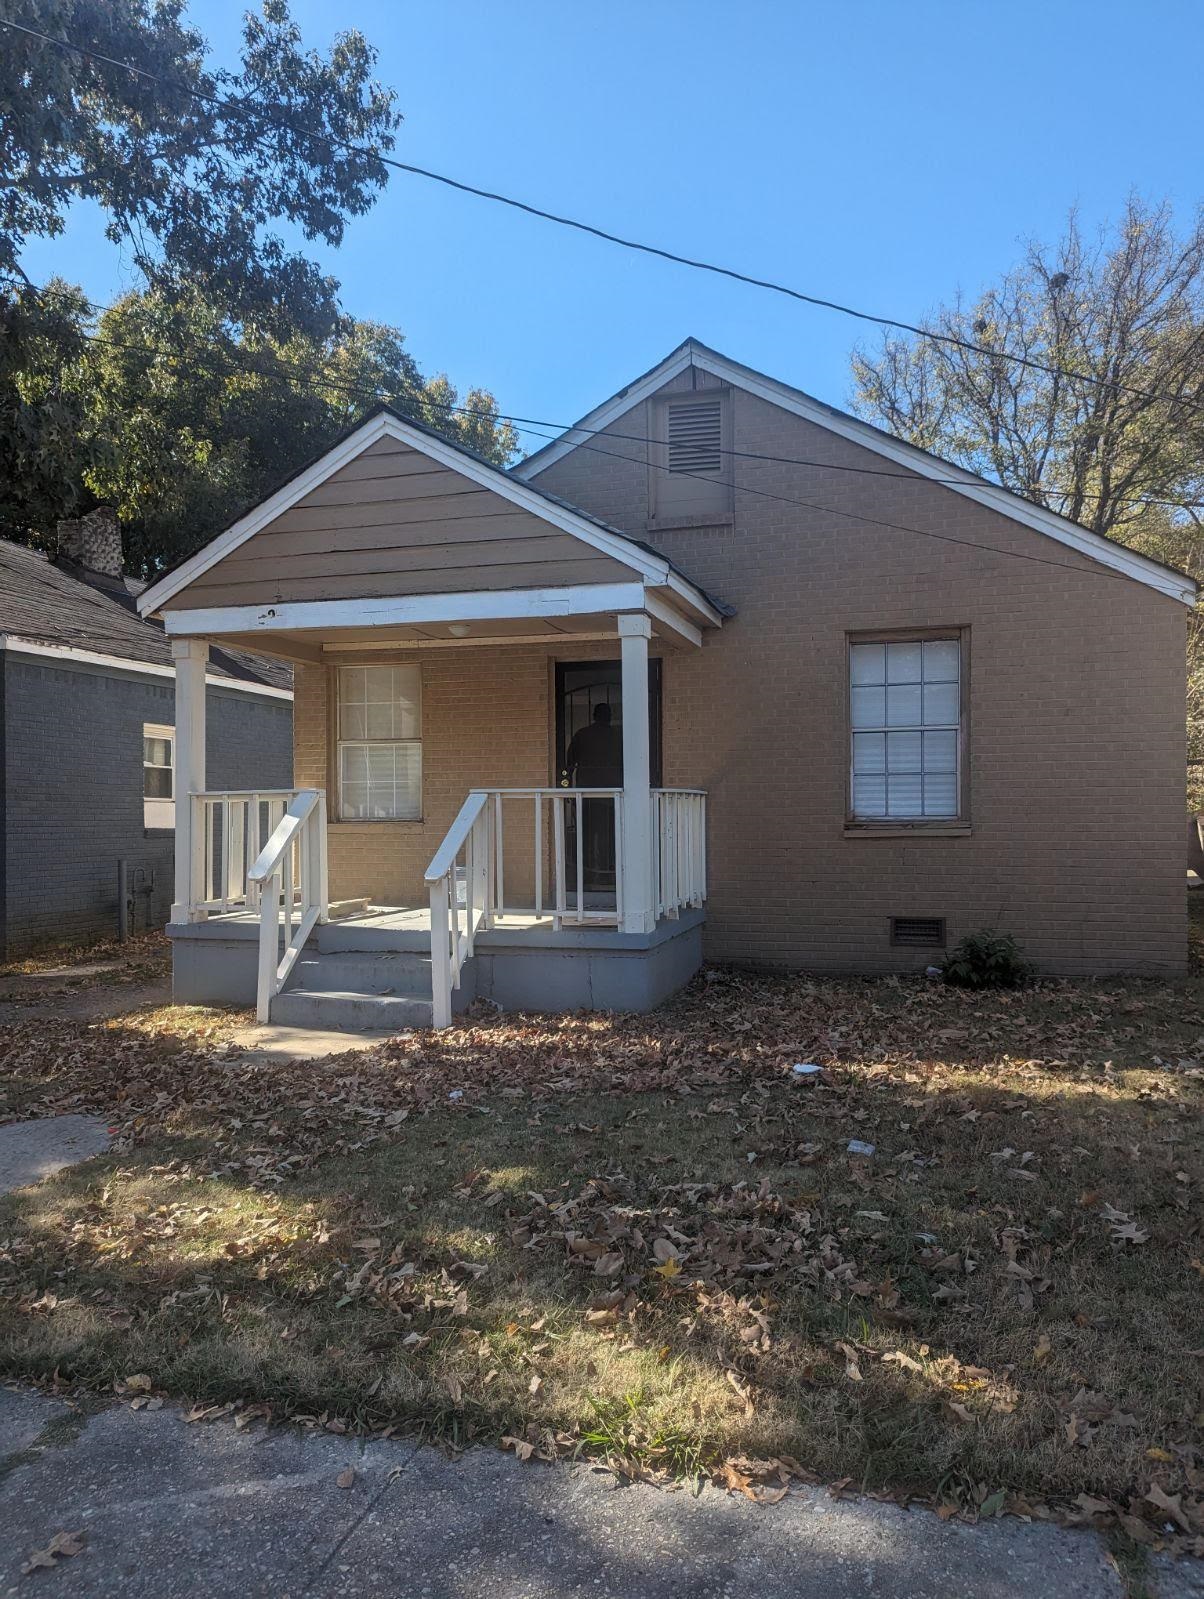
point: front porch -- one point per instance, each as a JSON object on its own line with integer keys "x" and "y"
{"x": 508, "y": 916}
{"x": 489, "y": 746}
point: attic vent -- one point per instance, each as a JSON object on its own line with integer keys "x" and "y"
{"x": 920, "y": 932}
{"x": 696, "y": 436}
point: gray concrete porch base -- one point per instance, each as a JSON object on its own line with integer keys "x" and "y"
{"x": 588, "y": 968}
{"x": 521, "y": 968}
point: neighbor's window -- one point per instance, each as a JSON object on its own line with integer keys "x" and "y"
{"x": 380, "y": 743}
{"x": 158, "y": 776}
{"x": 905, "y": 716}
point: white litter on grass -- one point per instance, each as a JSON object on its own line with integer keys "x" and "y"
{"x": 856, "y": 1147}
{"x": 932, "y": 971}
{"x": 806, "y": 1069}
{"x": 456, "y": 1093}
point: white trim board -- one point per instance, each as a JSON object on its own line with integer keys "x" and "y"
{"x": 1093, "y": 545}
{"x": 653, "y": 568}
{"x": 587, "y": 599}
{"x": 68, "y": 655}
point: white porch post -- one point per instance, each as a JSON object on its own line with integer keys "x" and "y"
{"x": 190, "y": 656}
{"x": 638, "y": 914}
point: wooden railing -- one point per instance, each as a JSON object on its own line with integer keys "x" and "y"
{"x": 458, "y": 881}
{"x": 488, "y": 849}
{"x": 290, "y": 879}
{"x": 679, "y": 849}
{"x": 228, "y": 830}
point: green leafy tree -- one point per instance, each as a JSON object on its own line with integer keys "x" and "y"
{"x": 193, "y": 188}
{"x": 188, "y": 420}
{"x": 192, "y": 399}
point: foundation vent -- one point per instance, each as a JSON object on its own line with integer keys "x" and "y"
{"x": 918, "y": 932}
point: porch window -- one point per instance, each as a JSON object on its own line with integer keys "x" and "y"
{"x": 380, "y": 743}
{"x": 158, "y": 775}
{"x": 906, "y": 729}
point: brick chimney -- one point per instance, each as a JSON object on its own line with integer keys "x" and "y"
{"x": 93, "y": 542}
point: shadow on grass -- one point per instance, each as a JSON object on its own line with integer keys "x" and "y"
{"x": 959, "y": 1312}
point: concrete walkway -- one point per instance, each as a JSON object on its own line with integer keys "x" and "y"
{"x": 83, "y": 1005}
{"x": 169, "y": 1509}
{"x": 32, "y": 1150}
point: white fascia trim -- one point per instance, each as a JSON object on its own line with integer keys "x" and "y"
{"x": 1081, "y": 539}
{"x": 408, "y": 610}
{"x": 673, "y": 620}
{"x": 385, "y": 426}
{"x": 68, "y": 654}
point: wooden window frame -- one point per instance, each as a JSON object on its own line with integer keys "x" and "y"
{"x": 898, "y": 826}
{"x": 340, "y": 743}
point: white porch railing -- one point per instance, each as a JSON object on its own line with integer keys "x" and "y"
{"x": 290, "y": 878}
{"x": 467, "y": 878}
{"x": 679, "y": 849}
{"x": 228, "y": 830}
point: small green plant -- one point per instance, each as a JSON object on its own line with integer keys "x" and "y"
{"x": 986, "y": 959}
{"x": 629, "y": 1443}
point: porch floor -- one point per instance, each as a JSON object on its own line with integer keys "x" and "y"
{"x": 417, "y": 919}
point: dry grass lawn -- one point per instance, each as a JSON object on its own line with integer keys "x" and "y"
{"x": 647, "y": 1237}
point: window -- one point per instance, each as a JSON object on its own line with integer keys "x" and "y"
{"x": 380, "y": 743}
{"x": 690, "y": 477}
{"x": 158, "y": 776}
{"x": 905, "y": 717}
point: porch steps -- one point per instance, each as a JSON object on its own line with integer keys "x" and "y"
{"x": 357, "y": 990}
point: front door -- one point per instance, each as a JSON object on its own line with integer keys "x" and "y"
{"x": 589, "y": 753}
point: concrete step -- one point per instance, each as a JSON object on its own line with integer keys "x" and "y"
{"x": 350, "y": 1012}
{"x": 400, "y": 972}
{"x": 353, "y": 936}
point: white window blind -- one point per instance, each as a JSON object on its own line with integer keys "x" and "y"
{"x": 905, "y": 715}
{"x": 380, "y": 743}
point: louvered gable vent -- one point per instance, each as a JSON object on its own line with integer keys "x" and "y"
{"x": 695, "y": 434}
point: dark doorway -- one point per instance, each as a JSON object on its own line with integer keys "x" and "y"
{"x": 581, "y": 688}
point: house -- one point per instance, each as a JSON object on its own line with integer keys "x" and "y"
{"x": 88, "y": 743}
{"x": 848, "y": 702}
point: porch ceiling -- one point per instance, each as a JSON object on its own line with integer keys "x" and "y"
{"x": 314, "y": 645}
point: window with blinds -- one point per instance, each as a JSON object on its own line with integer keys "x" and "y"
{"x": 380, "y": 743}
{"x": 905, "y": 720}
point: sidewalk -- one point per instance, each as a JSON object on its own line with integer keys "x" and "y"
{"x": 170, "y": 1509}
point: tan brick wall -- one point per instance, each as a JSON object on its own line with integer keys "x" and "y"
{"x": 487, "y": 722}
{"x": 1076, "y": 738}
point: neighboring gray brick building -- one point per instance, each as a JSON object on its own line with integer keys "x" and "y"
{"x": 86, "y": 746}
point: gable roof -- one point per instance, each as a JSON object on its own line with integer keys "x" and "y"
{"x": 1141, "y": 568}
{"x": 384, "y": 422}
{"x": 41, "y": 604}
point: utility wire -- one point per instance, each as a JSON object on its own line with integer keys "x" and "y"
{"x": 608, "y": 237}
{"x": 526, "y": 424}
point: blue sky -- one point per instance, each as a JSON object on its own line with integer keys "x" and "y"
{"x": 882, "y": 154}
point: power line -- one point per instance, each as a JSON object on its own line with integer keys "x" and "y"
{"x": 604, "y": 234}
{"x": 783, "y": 499}
{"x": 895, "y": 527}
{"x": 525, "y": 424}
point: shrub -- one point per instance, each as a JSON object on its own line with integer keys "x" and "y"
{"x": 986, "y": 959}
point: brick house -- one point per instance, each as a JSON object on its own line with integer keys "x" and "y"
{"x": 87, "y": 740}
{"x": 721, "y": 671}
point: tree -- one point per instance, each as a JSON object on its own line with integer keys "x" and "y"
{"x": 1123, "y": 455}
{"x": 1127, "y": 311}
{"x": 192, "y": 187}
{"x": 188, "y": 421}
{"x": 190, "y": 400}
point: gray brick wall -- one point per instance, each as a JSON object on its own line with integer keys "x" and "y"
{"x": 73, "y": 791}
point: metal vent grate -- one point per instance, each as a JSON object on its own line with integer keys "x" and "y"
{"x": 921, "y": 932}
{"x": 696, "y": 436}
